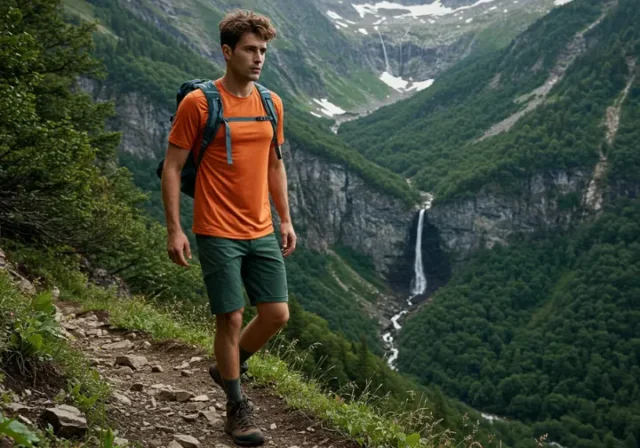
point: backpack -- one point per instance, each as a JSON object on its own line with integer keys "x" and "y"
{"x": 214, "y": 121}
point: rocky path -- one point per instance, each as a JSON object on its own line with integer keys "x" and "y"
{"x": 163, "y": 395}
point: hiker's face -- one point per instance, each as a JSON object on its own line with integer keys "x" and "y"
{"x": 247, "y": 59}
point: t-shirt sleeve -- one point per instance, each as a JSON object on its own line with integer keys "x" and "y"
{"x": 277, "y": 101}
{"x": 186, "y": 124}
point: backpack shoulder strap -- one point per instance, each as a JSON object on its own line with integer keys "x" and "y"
{"x": 214, "y": 118}
{"x": 269, "y": 107}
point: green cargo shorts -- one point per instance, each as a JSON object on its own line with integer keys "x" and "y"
{"x": 229, "y": 264}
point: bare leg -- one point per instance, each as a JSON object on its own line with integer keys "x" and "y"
{"x": 271, "y": 318}
{"x": 226, "y": 344}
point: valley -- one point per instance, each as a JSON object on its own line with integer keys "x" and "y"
{"x": 519, "y": 116}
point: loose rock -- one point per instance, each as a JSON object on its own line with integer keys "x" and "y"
{"x": 183, "y": 396}
{"x": 121, "y": 345}
{"x": 187, "y": 441}
{"x": 135, "y": 362}
{"x": 122, "y": 399}
{"x": 195, "y": 406}
{"x": 166, "y": 395}
{"x": 67, "y": 421}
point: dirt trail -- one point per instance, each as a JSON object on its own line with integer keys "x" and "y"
{"x": 144, "y": 408}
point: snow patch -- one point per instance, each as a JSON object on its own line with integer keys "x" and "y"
{"x": 334, "y": 15}
{"x": 402, "y": 85}
{"x": 434, "y": 9}
{"x": 469, "y": 20}
{"x": 343, "y": 25}
{"x": 561, "y": 2}
{"x": 363, "y": 31}
{"x": 316, "y": 115}
{"x": 329, "y": 108}
{"x": 393, "y": 81}
{"x": 421, "y": 85}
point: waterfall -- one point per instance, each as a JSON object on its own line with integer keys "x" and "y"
{"x": 384, "y": 50}
{"x": 419, "y": 279}
{"x": 418, "y": 286}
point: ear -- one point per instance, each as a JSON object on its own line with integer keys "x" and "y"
{"x": 227, "y": 52}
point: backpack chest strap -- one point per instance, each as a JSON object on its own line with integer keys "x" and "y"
{"x": 227, "y": 129}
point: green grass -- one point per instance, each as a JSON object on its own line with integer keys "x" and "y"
{"x": 31, "y": 348}
{"x": 356, "y": 271}
{"x": 356, "y": 419}
{"x": 359, "y": 419}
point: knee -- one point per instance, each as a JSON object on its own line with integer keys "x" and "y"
{"x": 279, "y": 317}
{"x": 230, "y": 322}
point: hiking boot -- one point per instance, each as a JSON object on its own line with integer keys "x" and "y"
{"x": 239, "y": 425}
{"x": 217, "y": 378}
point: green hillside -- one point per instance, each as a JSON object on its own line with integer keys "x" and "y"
{"x": 66, "y": 206}
{"x": 545, "y": 331}
{"x": 434, "y": 138}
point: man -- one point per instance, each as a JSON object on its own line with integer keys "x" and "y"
{"x": 232, "y": 215}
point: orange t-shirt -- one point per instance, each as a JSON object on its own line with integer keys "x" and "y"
{"x": 231, "y": 200}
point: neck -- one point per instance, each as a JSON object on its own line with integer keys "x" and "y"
{"x": 235, "y": 86}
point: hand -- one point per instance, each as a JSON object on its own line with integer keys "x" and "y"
{"x": 177, "y": 247}
{"x": 288, "y": 239}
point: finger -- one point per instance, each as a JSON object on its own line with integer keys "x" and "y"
{"x": 177, "y": 257}
{"x": 288, "y": 250}
{"x": 188, "y": 249}
{"x": 181, "y": 259}
{"x": 284, "y": 239}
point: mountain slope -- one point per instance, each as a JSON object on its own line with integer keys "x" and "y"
{"x": 544, "y": 331}
{"x": 435, "y": 138}
{"x": 540, "y": 139}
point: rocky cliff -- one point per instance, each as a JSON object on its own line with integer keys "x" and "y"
{"x": 333, "y": 205}
{"x": 544, "y": 202}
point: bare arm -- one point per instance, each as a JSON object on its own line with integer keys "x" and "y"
{"x": 177, "y": 244}
{"x": 279, "y": 194}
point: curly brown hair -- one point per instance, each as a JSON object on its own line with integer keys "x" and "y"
{"x": 238, "y": 22}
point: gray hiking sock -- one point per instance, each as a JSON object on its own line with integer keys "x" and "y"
{"x": 244, "y": 355}
{"x": 233, "y": 390}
